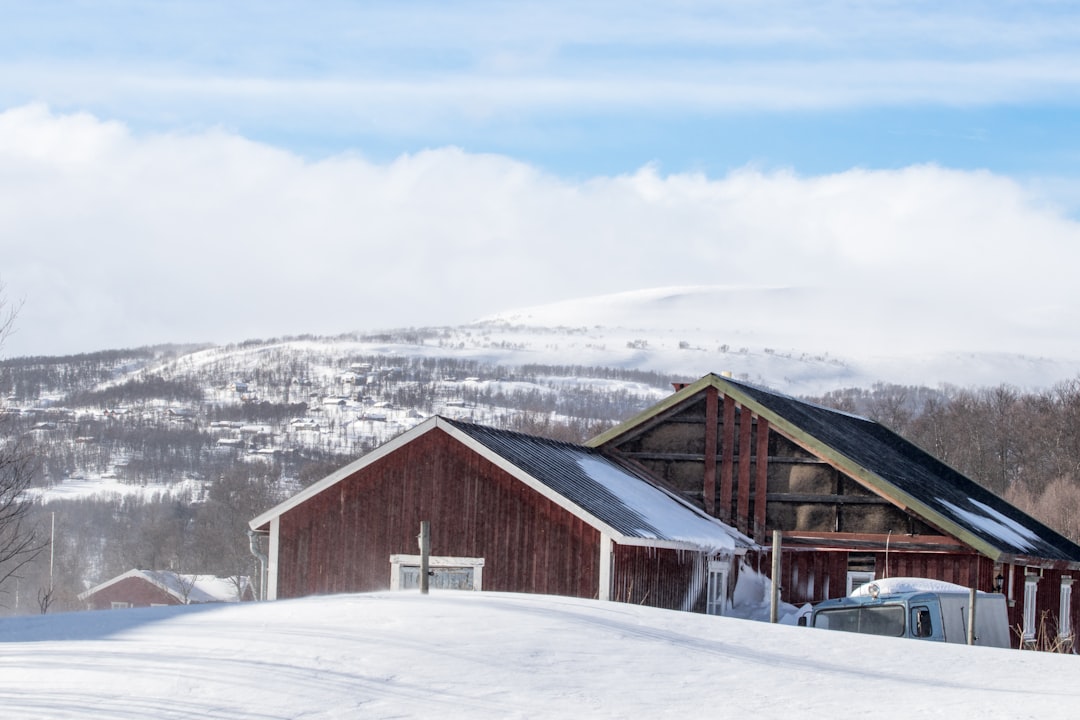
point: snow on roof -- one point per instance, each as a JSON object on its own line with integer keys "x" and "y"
{"x": 604, "y": 492}
{"x": 201, "y": 588}
{"x": 996, "y": 524}
{"x": 664, "y": 518}
{"x": 189, "y": 588}
{"x": 900, "y": 470}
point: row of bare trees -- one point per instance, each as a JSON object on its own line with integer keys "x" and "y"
{"x": 20, "y": 541}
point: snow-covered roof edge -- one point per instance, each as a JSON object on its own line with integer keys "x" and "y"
{"x": 154, "y": 577}
{"x": 112, "y": 581}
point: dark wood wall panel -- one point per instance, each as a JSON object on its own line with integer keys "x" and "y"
{"x": 816, "y": 575}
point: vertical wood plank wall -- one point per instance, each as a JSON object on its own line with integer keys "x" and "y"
{"x": 711, "y": 442}
{"x": 742, "y": 510}
{"x": 341, "y": 540}
{"x": 727, "y": 458}
{"x": 761, "y": 480}
{"x": 657, "y": 577}
{"x": 810, "y": 576}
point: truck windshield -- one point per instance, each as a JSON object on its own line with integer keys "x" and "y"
{"x": 872, "y": 620}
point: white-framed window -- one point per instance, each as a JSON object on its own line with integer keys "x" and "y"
{"x": 1031, "y": 594}
{"x": 448, "y": 573}
{"x": 717, "y": 599}
{"x": 856, "y": 578}
{"x": 1065, "y": 608}
{"x": 117, "y": 605}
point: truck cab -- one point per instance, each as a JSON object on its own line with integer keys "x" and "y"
{"x": 934, "y": 615}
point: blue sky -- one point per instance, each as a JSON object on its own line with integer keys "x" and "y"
{"x": 577, "y": 88}
{"x": 581, "y": 100}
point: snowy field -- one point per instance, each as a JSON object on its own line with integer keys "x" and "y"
{"x": 489, "y": 655}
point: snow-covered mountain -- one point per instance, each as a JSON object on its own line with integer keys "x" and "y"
{"x": 799, "y": 340}
{"x": 581, "y": 363}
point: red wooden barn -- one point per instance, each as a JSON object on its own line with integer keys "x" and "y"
{"x": 146, "y": 588}
{"x": 853, "y": 500}
{"x": 507, "y": 512}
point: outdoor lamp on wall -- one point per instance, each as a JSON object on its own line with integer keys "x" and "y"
{"x": 999, "y": 582}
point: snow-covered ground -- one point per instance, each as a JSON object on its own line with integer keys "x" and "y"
{"x": 105, "y": 488}
{"x": 490, "y": 655}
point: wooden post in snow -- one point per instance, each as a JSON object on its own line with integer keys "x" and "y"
{"x": 774, "y": 595}
{"x": 425, "y": 553}
{"x": 971, "y": 617}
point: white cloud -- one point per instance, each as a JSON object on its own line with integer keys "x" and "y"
{"x": 121, "y": 239}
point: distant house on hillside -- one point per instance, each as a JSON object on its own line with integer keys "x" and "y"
{"x": 508, "y": 512}
{"x": 853, "y": 501}
{"x": 146, "y": 588}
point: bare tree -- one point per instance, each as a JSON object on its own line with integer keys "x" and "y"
{"x": 20, "y": 542}
{"x": 184, "y": 585}
{"x": 46, "y": 597}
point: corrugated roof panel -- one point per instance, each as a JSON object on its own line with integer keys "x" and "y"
{"x": 608, "y": 491}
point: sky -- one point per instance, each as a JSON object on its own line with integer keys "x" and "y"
{"x": 214, "y": 172}
{"x": 495, "y": 655}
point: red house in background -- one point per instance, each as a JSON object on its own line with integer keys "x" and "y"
{"x": 147, "y": 588}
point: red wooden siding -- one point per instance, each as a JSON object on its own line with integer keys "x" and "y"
{"x": 1048, "y": 600}
{"x": 816, "y": 575}
{"x": 656, "y": 577}
{"x": 711, "y": 443}
{"x": 341, "y": 539}
{"x": 727, "y": 458}
{"x": 134, "y": 590}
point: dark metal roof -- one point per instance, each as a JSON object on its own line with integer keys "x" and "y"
{"x": 919, "y": 475}
{"x": 616, "y": 495}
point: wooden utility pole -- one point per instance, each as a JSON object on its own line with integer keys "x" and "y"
{"x": 52, "y": 550}
{"x": 774, "y": 599}
{"x": 971, "y": 617}
{"x": 425, "y": 553}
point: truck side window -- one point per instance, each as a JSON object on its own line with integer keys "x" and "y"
{"x": 920, "y": 622}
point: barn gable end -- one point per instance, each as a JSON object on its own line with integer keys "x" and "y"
{"x": 341, "y": 540}
{"x": 852, "y": 500}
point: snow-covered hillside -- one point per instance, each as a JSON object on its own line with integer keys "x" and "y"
{"x": 489, "y": 655}
{"x": 797, "y": 340}
{"x": 592, "y": 360}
